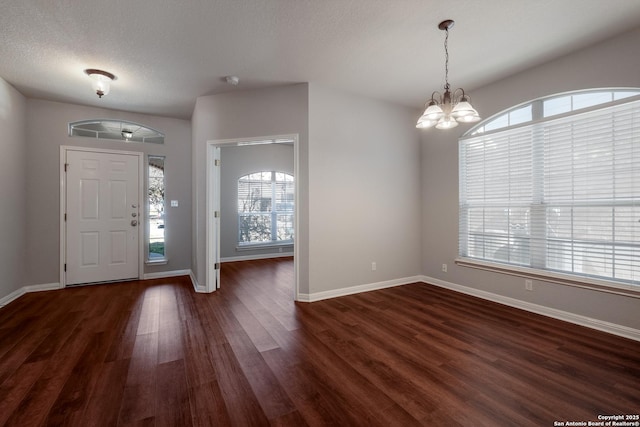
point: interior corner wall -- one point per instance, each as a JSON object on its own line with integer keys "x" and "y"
{"x": 613, "y": 63}
{"x": 13, "y": 189}
{"x": 238, "y": 161}
{"x": 364, "y": 186}
{"x": 247, "y": 114}
{"x": 47, "y": 130}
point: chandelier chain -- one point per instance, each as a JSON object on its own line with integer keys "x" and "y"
{"x": 446, "y": 59}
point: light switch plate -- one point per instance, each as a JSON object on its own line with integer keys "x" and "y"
{"x": 174, "y": 203}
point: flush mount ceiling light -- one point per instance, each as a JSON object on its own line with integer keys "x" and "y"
{"x": 444, "y": 111}
{"x": 101, "y": 81}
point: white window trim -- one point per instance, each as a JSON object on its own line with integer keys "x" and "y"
{"x": 552, "y": 277}
{"x": 264, "y": 245}
{"x": 537, "y": 111}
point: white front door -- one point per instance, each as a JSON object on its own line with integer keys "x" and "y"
{"x": 102, "y": 216}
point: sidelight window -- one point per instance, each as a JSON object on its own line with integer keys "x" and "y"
{"x": 156, "y": 209}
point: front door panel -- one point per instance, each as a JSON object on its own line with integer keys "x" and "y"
{"x": 102, "y": 237}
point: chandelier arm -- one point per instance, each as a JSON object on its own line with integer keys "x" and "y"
{"x": 456, "y": 92}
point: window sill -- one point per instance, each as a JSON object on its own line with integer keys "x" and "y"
{"x": 553, "y": 277}
{"x": 259, "y": 246}
{"x": 159, "y": 261}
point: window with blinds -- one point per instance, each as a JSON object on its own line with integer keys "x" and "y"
{"x": 559, "y": 192}
{"x": 265, "y": 208}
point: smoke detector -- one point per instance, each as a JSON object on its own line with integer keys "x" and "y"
{"x": 232, "y": 80}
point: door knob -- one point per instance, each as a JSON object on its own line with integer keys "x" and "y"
{"x": 133, "y": 214}
{"x": 134, "y": 222}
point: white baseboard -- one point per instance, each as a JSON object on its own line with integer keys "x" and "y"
{"x": 54, "y": 286}
{"x": 256, "y": 256}
{"x": 318, "y": 296}
{"x": 612, "y": 328}
{"x": 27, "y": 289}
{"x": 163, "y": 274}
{"x": 197, "y": 286}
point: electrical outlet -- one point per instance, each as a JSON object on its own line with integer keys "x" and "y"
{"x": 444, "y": 268}
{"x": 373, "y": 266}
{"x": 528, "y": 284}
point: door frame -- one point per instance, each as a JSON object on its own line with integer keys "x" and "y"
{"x": 63, "y": 204}
{"x": 213, "y": 200}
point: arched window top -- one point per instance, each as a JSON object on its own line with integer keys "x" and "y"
{"x": 553, "y": 106}
{"x": 115, "y": 130}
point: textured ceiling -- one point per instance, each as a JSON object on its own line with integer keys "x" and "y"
{"x": 166, "y": 53}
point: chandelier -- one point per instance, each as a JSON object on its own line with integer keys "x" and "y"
{"x": 445, "y": 111}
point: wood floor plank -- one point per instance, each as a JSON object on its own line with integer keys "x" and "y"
{"x": 155, "y": 353}
{"x": 139, "y": 395}
{"x": 17, "y": 386}
{"x": 207, "y": 405}
{"x": 271, "y": 397}
{"x": 172, "y": 396}
{"x": 102, "y": 408}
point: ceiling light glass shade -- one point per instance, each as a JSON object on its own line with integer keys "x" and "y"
{"x": 447, "y": 122}
{"x": 470, "y": 118}
{"x": 463, "y": 108}
{"x": 424, "y": 123}
{"x": 431, "y": 115}
{"x": 100, "y": 81}
{"x": 433, "y": 111}
{"x": 100, "y": 84}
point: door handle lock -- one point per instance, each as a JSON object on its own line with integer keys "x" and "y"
{"x": 133, "y": 214}
{"x": 134, "y": 222}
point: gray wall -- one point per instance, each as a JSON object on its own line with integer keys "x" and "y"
{"x": 247, "y": 114}
{"x": 614, "y": 63}
{"x": 364, "y": 187}
{"x": 48, "y": 130}
{"x": 13, "y": 189}
{"x": 359, "y": 179}
{"x": 236, "y": 162}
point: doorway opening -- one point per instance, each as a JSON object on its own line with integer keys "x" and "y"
{"x": 220, "y": 206}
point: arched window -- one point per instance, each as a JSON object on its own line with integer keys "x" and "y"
{"x": 553, "y": 187}
{"x": 265, "y": 208}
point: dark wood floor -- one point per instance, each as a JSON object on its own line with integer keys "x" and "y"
{"x": 156, "y": 353}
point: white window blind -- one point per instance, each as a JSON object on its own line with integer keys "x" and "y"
{"x": 265, "y": 207}
{"x": 561, "y": 194}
